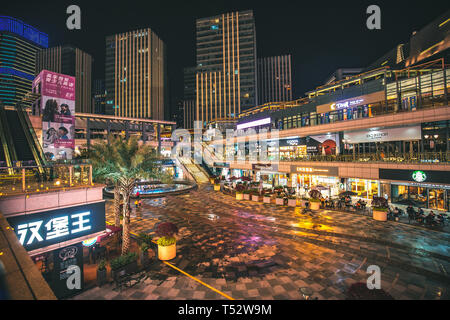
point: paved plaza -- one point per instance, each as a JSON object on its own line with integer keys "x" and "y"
{"x": 250, "y": 250}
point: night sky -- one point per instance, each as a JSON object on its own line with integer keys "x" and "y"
{"x": 321, "y": 35}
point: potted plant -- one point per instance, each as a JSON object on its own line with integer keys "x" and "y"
{"x": 239, "y": 192}
{"x": 255, "y": 196}
{"x": 267, "y": 196}
{"x": 124, "y": 264}
{"x": 101, "y": 273}
{"x": 314, "y": 199}
{"x": 292, "y": 201}
{"x": 279, "y": 200}
{"x": 144, "y": 254}
{"x": 216, "y": 184}
{"x": 167, "y": 248}
{"x": 246, "y": 194}
{"x": 380, "y": 208}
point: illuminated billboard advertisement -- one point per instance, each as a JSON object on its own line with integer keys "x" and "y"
{"x": 252, "y": 124}
{"x": 58, "y": 114}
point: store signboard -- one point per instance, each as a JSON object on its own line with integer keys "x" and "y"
{"x": 267, "y": 167}
{"x": 42, "y": 229}
{"x": 418, "y": 176}
{"x": 316, "y": 170}
{"x": 382, "y": 135}
{"x": 67, "y": 268}
{"x": 58, "y": 114}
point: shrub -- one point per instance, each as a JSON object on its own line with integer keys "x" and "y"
{"x": 217, "y": 181}
{"x": 123, "y": 260}
{"x": 166, "y": 229}
{"x": 144, "y": 247}
{"x": 315, "y": 194}
{"x": 240, "y": 188}
{"x": 145, "y": 238}
{"x": 166, "y": 241}
{"x": 101, "y": 265}
{"x": 380, "y": 204}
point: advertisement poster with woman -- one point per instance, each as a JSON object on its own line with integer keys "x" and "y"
{"x": 58, "y": 114}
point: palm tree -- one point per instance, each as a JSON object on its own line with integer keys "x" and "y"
{"x": 123, "y": 163}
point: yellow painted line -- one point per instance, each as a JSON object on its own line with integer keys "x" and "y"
{"x": 190, "y": 276}
{"x": 199, "y": 281}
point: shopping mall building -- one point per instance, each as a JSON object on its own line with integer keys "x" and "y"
{"x": 384, "y": 132}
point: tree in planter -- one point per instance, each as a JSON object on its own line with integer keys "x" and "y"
{"x": 124, "y": 162}
{"x": 315, "y": 195}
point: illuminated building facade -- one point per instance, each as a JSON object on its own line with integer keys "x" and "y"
{"x": 73, "y": 62}
{"x": 274, "y": 79}
{"x": 19, "y": 44}
{"x": 135, "y": 75}
{"x": 226, "y": 66}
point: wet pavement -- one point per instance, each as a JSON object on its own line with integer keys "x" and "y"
{"x": 251, "y": 250}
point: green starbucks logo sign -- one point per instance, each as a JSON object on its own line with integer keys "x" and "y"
{"x": 419, "y": 176}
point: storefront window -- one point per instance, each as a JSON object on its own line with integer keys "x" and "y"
{"x": 436, "y": 199}
{"x": 366, "y": 189}
{"x": 418, "y": 196}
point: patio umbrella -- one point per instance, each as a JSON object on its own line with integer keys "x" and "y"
{"x": 246, "y": 179}
{"x": 348, "y": 193}
{"x": 320, "y": 187}
{"x": 234, "y": 178}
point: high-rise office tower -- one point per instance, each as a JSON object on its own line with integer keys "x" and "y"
{"x": 19, "y": 43}
{"x": 189, "y": 97}
{"x": 226, "y": 66}
{"x": 274, "y": 79}
{"x": 74, "y": 62}
{"x": 99, "y": 96}
{"x": 135, "y": 75}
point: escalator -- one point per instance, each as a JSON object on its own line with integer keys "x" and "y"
{"x": 18, "y": 139}
{"x": 196, "y": 171}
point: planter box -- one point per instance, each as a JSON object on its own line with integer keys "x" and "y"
{"x": 267, "y": 199}
{"x": 217, "y": 187}
{"x": 101, "y": 277}
{"x": 255, "y": 198}
{"x": 239, "y": 196}
{"x": 167, "y": 252}
{"x": 126, "y": 269}
{"x": 279, "y": 201}
{"x": 292, "y": 202}
{"x": 314, "y": 205}
{"x": 380, "y": 215}
{"x": 246, "y": 196}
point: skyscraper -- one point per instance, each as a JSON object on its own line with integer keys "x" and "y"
{"x": 19, "y": 43}
{"x": 189, "y": 96}
{"x": 74, "y": 62}
{"x": 274, "y": 79}
{"x": 99, "y": 96}
{"x": 226, "y": 66}
{"x": 136, "y": 76}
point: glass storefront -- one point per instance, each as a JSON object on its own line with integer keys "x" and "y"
{"x": 304, "y": 183}
{"x": 366, "y": 189}
{"x": 431, "y": 197}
